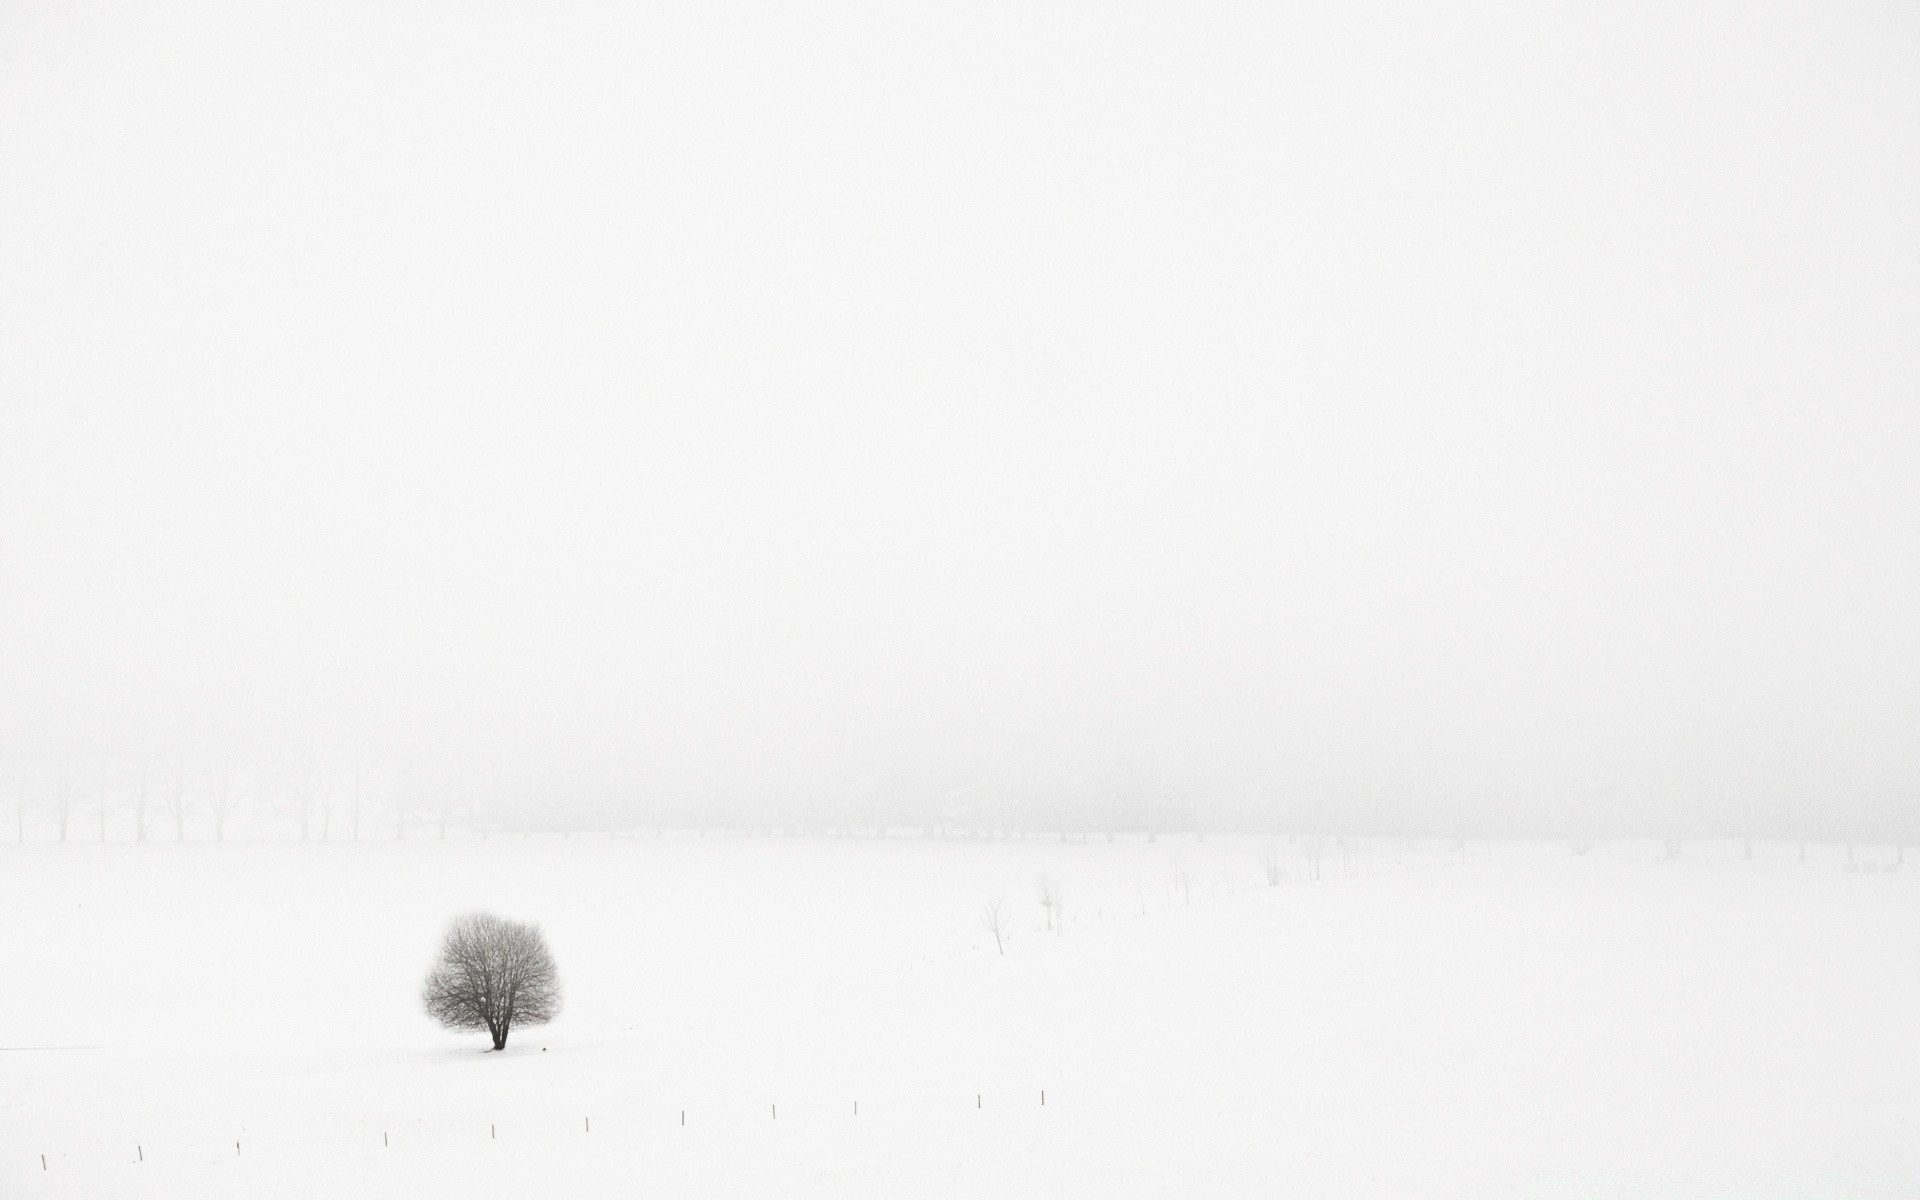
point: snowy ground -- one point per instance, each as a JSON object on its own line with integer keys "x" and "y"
{"x": 1518, "y": 1022}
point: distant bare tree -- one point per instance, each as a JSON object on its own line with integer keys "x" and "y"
{"x": 1270, "y": 862}
{"x": 177, "y": 800}
{"x": 102, "y": 796}
{"x": 307, "y": 784}
{"x": 359, "y": 789}
{"x": 63, "y": 797}
{"x": 222, "y": 798}
{"x": 492, "y": 973}
{"x": 295, "y": 799}
{"x": 325, "y": 772}
{"x": 450, "y": 802}
{"x": 1049, "y": 895}
{"x": 993, "y": 919}
{"x": 1183, "y": 881}
{"x": 1312, "y": 848}
{"x": 139, "y": 799}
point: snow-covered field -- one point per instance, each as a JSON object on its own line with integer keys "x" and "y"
{"x": 1516, "y": 1021}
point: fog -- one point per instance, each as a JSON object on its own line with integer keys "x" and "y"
{"x": 1483, "y": 418}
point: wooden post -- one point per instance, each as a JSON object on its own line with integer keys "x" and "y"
{"x": 776, "y": 1111}
{"x": 1043, "y": 1097}
{"x": 236, "y": 1149}
{"x": 976, "y": 1100}
{"x": 43, "y": 1162}
{"x": 493, "y": 1132}
{"x": 683, "y": 1116}
{"x": 383, "y": 1138}
{"x": 589, "y": 1120}
{"x": 141, "y": 1151}
{"x": 856, "y": 1108}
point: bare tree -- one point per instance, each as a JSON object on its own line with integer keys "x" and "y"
{"x": 63, "y": 797}
{"x": 449, "y": 803}
{"x": 309, "y": 795}
{"x": 222, "y": 798}
{"x": 1049, "y": 891}
{"x": 141, "y": 799}
{"x": 1270, "y": 862}
{"x": 993, "y": 919}
{"x": 301, "y": 795}
{"x": 492, "y": 973}
{"x": 359, "y": 789}
{"x": 1313, "y": 848}
{"x": 295, "y": 800}
{"x": 103, "y": 797}
{"x": 177, "y": 802}
{"x": 325, "y": 772}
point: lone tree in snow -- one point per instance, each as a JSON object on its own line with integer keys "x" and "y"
{"x": 993, "y": 919}
{"x": 492, "y": 974}
{"x": 1049, "y": 891}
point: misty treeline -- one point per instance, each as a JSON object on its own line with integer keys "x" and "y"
{"x": 212, "y": 795}
{"x": 182, "y": 797}
{"x": 216, "y": 794}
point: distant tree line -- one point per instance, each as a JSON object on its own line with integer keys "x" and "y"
{"x": 215, "y": 794}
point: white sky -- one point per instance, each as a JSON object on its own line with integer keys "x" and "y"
{"x": 1467, "y": 406}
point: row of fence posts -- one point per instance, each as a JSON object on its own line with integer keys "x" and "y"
{"x": 493, "y": 1129}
